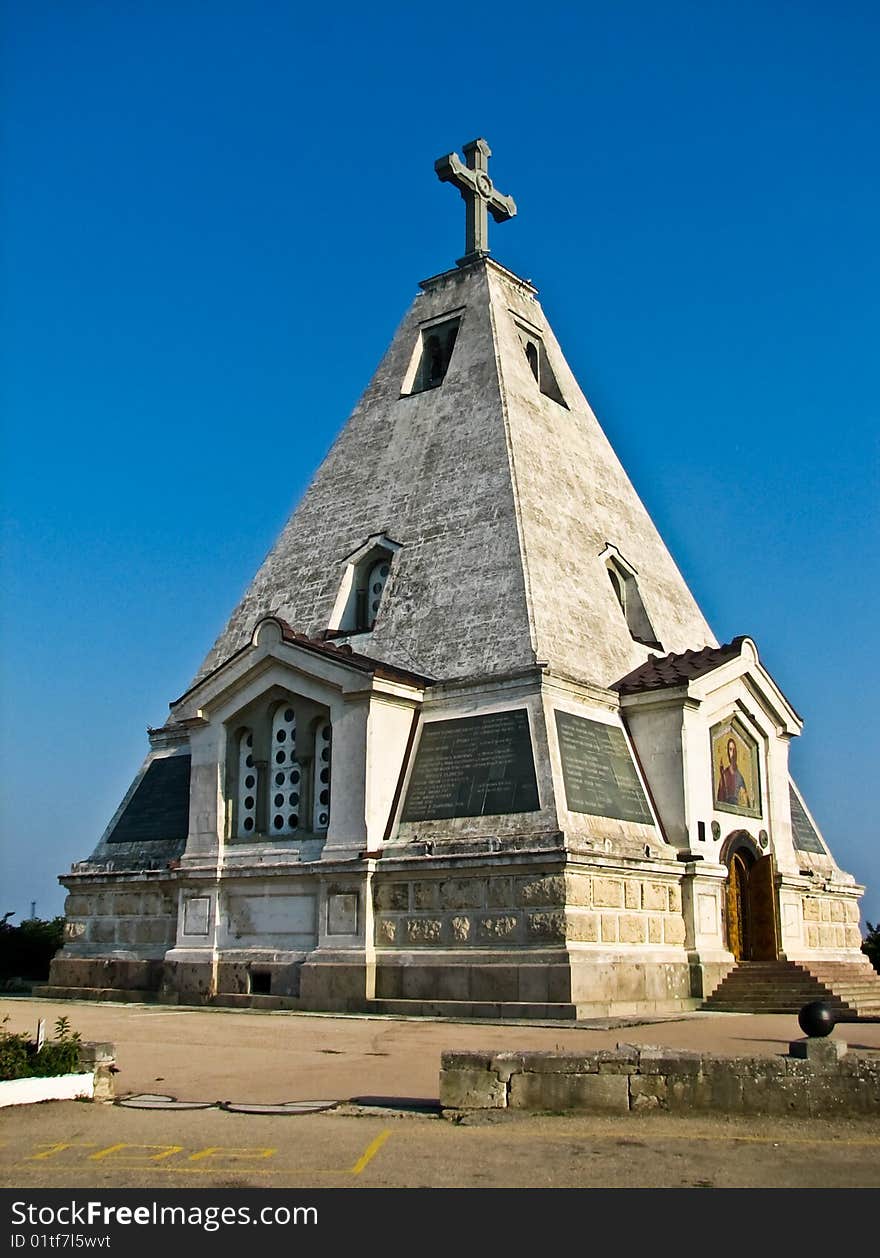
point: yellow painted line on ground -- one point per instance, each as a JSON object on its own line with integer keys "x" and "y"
{"x": 219, "y": 1168}
{"x": 167, "y": 1151}
{"x": 215, "y": 1159}
{"x": 370, "y": 1152}
{"x": 60, "y": 1147}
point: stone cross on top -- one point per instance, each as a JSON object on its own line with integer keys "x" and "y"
{"x": 479, "y": 195}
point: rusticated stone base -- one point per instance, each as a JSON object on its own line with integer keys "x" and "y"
{"x": 135, "y": 975}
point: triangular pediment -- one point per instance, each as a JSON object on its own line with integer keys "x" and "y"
{"x": 702, "y": 675}
{"x": 276, "y": 655}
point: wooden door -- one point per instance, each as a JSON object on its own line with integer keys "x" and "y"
{"x": 738, "y": 907}
{"x": 764, "y": 942}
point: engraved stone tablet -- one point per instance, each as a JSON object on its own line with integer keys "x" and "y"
{"x": 476, "y": 766}
{"x": 805, "y": 837}
{"x": 342, "y": 913}
{"x": 196, "y": 915}
{"x": 159, "y": 808}
{"x": 597, "y": 768}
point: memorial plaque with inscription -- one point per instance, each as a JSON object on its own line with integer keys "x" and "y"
{"x": 805, "y": 837}
{"x": 600, "y": 777}
{"x": 475, "y": 766}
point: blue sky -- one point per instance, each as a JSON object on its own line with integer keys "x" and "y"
{"x": 216, "y": 214}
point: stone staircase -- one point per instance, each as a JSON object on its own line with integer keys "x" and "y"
{"x": 849, "y": 987}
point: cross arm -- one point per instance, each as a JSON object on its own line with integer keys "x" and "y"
{"x": 501, "y": 207}
{"x": 451, "y": 169}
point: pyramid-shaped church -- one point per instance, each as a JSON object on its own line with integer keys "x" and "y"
{"x": 467, "y": 744}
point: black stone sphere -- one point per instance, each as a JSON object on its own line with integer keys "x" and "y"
{"x": 816, "y": 1018}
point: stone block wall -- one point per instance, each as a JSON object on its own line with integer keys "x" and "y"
{"x": 234, "y": 977}
{"x": 831, "y": 922}
{"x": 481, "y": 910}
{"x": 626, "y": 910}
{"x": 116, "y": 935}
{"x": 817, "y": 1078}
{"x": 514, "y": 909}
{"x": 137, "y": 919}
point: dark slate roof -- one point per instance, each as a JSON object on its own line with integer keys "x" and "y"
{"x": 158, "y": 811}
{"x": 661, "y": 672}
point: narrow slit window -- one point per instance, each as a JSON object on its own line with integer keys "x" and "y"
{"x": 533, "y": 359}
{"x": 247, "y": 785}
{"x": 539, "y": 364}
{"x": 438, "y": 342}
{"x": 626, "y": 590}
{"x": 323, "y": 755}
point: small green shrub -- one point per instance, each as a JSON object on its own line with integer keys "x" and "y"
{"x": 14, "y": 1058}
{"x": 19, "y": 1058}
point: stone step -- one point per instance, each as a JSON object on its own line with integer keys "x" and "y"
{"x": 130, "y": 995}
{"x": 786, "y": 986}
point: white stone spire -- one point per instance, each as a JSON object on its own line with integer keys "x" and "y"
{"x": 512, "y": 531}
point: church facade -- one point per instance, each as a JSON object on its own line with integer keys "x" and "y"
{"x": 467, "y": 743}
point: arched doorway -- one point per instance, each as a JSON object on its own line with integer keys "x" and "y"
{"x": 752, "y": 920}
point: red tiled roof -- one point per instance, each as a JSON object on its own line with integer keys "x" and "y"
{"x": 663, "y": 671}
{"x": 343, "y": 654}
{"x": 389, "y": 671}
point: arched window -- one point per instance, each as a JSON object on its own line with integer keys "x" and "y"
{"x": 363, "y": 586}
{"x": 285, "y": 789}
{"x": 278, "y": 769}
{"x": 247, "y": 785}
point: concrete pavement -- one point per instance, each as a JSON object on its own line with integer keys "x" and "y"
{"x": 221, "y": 1054}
